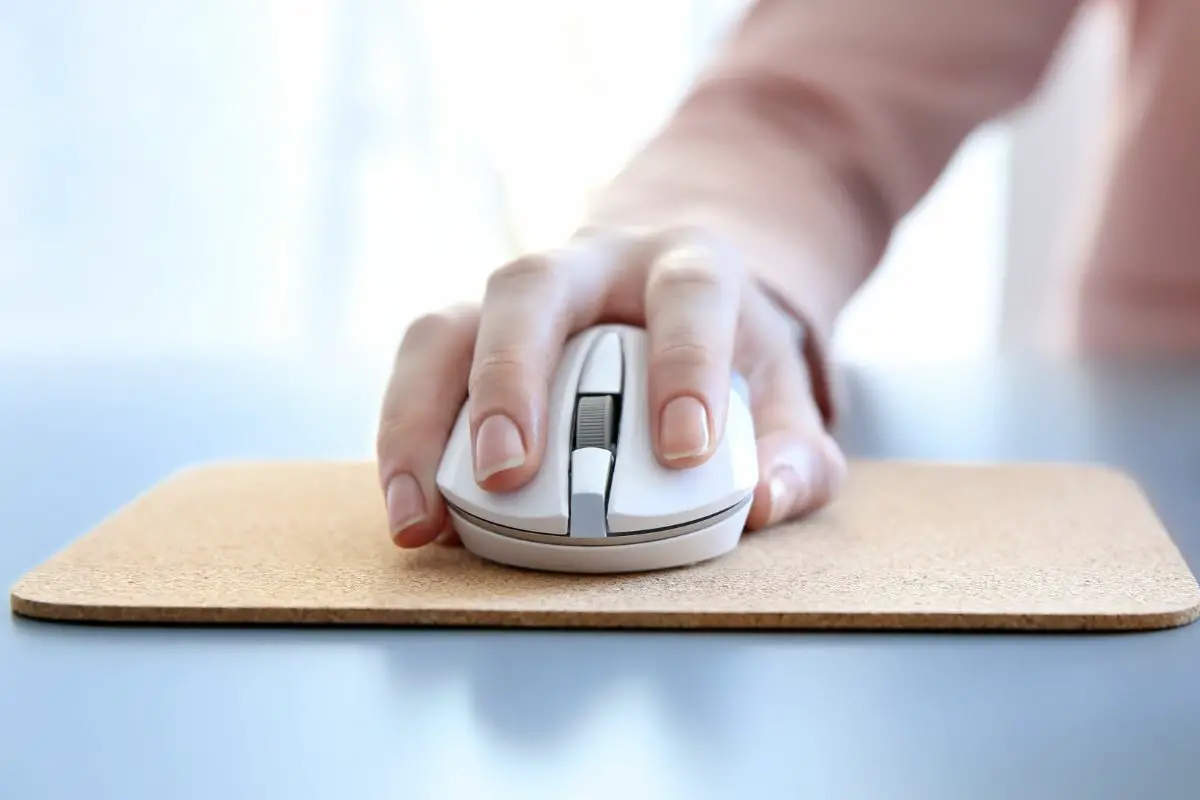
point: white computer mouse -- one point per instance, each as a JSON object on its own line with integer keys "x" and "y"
{"x": 601, "y": 502}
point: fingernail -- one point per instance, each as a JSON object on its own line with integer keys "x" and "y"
{"x": 787, "y": 491}
{"x": 792, "y": 482}
{"x": 683, "y": 429}
{"x": 498, "y": 446}
{"x": 405, "y": 504}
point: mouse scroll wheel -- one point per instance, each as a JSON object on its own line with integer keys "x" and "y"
{"x": 596, "y": 422}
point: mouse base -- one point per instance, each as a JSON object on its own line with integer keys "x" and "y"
{"x": 677, "y": 551}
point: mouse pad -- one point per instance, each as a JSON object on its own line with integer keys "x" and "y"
{"x": 905, "y": 546}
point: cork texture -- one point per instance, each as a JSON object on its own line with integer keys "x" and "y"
{"x": 905, "y": 546}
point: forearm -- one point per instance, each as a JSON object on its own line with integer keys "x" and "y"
{"x": 821, "y": 124}
{"x": 724, "y": 162}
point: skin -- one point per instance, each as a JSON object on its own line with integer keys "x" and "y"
{"x": 704, "y": 313}
{"x": 810, "y": 135}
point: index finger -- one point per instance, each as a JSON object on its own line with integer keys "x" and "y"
{"x": 530, "y": 307}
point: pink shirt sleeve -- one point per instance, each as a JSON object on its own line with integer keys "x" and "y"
{"x": 821, "y": 123}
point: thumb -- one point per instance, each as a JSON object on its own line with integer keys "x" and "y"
{"x": 800, "y": 466}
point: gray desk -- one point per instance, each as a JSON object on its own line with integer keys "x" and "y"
{"x": 266, "y": 713}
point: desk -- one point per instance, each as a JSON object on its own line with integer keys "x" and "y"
{"x": 277, "y": 713}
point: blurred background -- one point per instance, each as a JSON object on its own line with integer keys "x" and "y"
{"x": 292, "y": 175}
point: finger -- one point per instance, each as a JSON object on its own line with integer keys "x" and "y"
{"x": 530, "y": 307}
{"x": 801, "y": 467}
{"x": 427, "y": 388}
{"x": 692, "y": 300}
{"x": 802, "y": 472}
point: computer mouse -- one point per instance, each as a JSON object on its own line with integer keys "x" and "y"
{"x": 601, "y": 502}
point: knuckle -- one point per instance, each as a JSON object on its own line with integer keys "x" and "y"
{"x": 692, "y": 271}
{"x": 500, "y": 368}
{"x": 526, "y": 274}
{"x": 433, "y": 327}
{"x": 688, "y": 269}
{"x": 398, "y": 438}
{"x": 689, "y": 234}
{"x": 699, "y": 244}
{"x": 683, "y": 353}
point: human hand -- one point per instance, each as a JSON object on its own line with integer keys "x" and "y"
{"x": 704, "y": 315}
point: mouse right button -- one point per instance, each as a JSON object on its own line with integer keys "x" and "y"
{"x": 646, "y": 495}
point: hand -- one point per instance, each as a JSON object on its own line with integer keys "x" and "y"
{"x": 703, "y": 313}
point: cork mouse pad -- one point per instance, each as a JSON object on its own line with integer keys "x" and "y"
{"x": 905, "y": 546}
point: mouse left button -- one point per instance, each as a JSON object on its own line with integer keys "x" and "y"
{"x": 603, "y": 370}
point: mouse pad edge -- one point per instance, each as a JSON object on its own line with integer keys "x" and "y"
{"x": 41, "y": 594}
{"x": 48, "y": 610}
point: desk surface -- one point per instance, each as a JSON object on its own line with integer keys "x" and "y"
{"x": 202, "y": 713}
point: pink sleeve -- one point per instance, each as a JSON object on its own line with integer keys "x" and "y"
{"x": 823, "y": 122}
